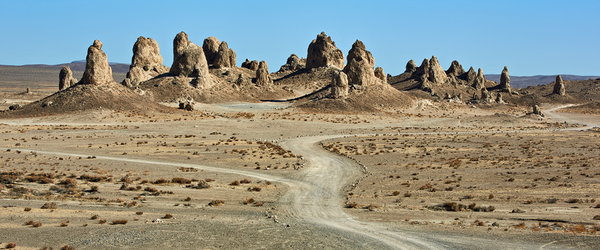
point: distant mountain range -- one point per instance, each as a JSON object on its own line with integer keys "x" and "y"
{"x": 74, "y": 65}
{"x": 525, "y": 81}
{"x": 122, "y": 68}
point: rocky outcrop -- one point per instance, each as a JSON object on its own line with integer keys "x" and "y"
{"x": 536, "y": 110}
{"x": 559, "y": 86}
{"x": 479, "y": 81}
{"x": 360, "y": 66}
{"x": 380, "y": 74}
{"x": 470, "y": 76}
{"x": 189, "y": 61}
{"x": 263, "y": 78}
{"x": 505, "y": 80}
{"x": 422, "y": 72}
{"x": 97, "y": 70}
{"x": 411, "y": 67}
{"x": 251, "y": 65}
{"x": 499, "y": 98}
{"x": 146, "y": 62}
{"x": 322, "y": 52}
{"x": 485, "y": 96}
{"x": 65, "y": 78}
{"x": 293, "y": 63}
{"x": 339, "y": 85}
{"x": 455, "y": 69}
{"x": 225, "y": 57}
{"x": 211, "y": 49}
{"x": 436, "y": 75}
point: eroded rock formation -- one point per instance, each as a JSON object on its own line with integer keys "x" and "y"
{"x": 455, "y": 69}
{"x": 146, "y": 62}
{"x": 505, "y": 80}
{"x": 97, "y": 70}
{"x": 263, "y": 78}
{"x": 339, "y": 85}
{"x": 436, "y": 75}
{"x": 559, "y": 86}
{"x": 479, "y": 81}
{"x": 65, "y": 78}
{"x": 322, "y": 52}
{"x": 380, "y": 74}
{"x": 360, "y": 65}
{"x": 225, "y": 57}
{"x": 211, "y": 49}
{"x": 251, "y": 65}
{"x": 411, "y": 67}
{"x": 293, "y": 63}
{"x": 189, "y": 61}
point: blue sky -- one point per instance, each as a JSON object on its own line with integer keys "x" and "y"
{"x": 530, "y": 37}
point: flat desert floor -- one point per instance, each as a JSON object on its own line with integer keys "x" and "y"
{"x": 261, "y": 175}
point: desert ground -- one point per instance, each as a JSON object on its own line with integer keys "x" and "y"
{"x": 293, "y": 179}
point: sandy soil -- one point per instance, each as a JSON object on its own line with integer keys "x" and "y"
{"x": 280, "y": 178}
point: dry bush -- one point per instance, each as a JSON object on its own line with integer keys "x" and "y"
{"x": 27, "y": 209}
{"x": 234, "y": 183}
{"x": 168, "y": 216}
{"x": 245, "y": 181}
{"x": 254, "y": 189}
{"x": 520, "y": 226}
{"x": 102, "y": 221}
{"x": 64, "y": 224}
{"x": 596, "y": 217}
{"x": 95, "y": 216}
{"x": 68, "y": 183}
{"x": 395, "y": 193}
{"x": 371, "y": 207}
{"x": 10, "y": 245}
{"x": 161, "y": 181}
{"x": 67, "y": 247}
{"x": 351, "y": 205}
{"x": 151, "y": 190}
{"x": 139, "y": 213}
{"x": 119, "y": 222}
{"x": 248, "y": 201}
{"x": 33, "y": 223}
{"x": 216, "y": 203}
{"x": 92, "y": 178}
{"x": 201, "y": 185}
{"x": 579, "y": 228}
{"x": 181, "y": 180}
{"x": 49, "y": 205}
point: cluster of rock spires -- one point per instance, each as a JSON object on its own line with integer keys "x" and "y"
{"x": 218, "y": 54}
{"x": 192, "y": 63}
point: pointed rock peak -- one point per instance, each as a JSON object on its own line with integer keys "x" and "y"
{"x": 322, "y": 52}
{"x": 379, "y": 73}
{"x": 263, "y": 78}
{"x": 146, "y": 62}
{"x": 65, "y": 78}
{"x": 360, "y": 65}
{"x": 505, "y": 80}
{"x": 180, "y": 42}
{"x": 411, "y": 66}
{"x": 455, "y": 69}
{"x": 559, "y": 86}
{"x": 97, "y": 70}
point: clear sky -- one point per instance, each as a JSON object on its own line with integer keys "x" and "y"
{"x": 529, "y": 36}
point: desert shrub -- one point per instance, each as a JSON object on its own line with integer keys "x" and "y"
{"x": 201, "y": 185}
{"x": 10, "y": 245}
{"x": 216, "y": 203}
{"x": 67, "y": 247}
{"x": 92, "y": 178}
{"x": 351, "y": 205}
{"x": 396, "y": 193}
{"x": 245, "y": 181}
{"x": 248, "y": 201}
{"x": 254, "y": 189}
{"x": 573, "y": 201}
{"x": 95, "y": 216}
{"x": 161, "y": 181}
{"x": 180, "y": 180}
{"x": 64, "y": 224}
{"x": 102, "y": 221}
{"x": 234, "y": 183}
{"x": 119, "y": 222}
{"x": 139, "y": 213}
{"x": 168, "y": 216}
{"x": 27, "y": 209}
{"x": 49, "y": 205}
{"x": 151, "y": 189}
{"x": 33, "y": 223}
{"x": 68, "y": 183}
{"x": 596, "y": 217}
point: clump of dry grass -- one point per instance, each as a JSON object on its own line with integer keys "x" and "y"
{"x": 216, "y": 203}
{"x": 27, "y": 209}
{"x": 168, "y": 216}
{"x": 49, "y": 205}
{"x": 119, "y": 222}
{"x": 33, "y": 223}
{"x": 10, "y": 245}
{"x": 139, "y": 213}
{"x": 254, "y": 189}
